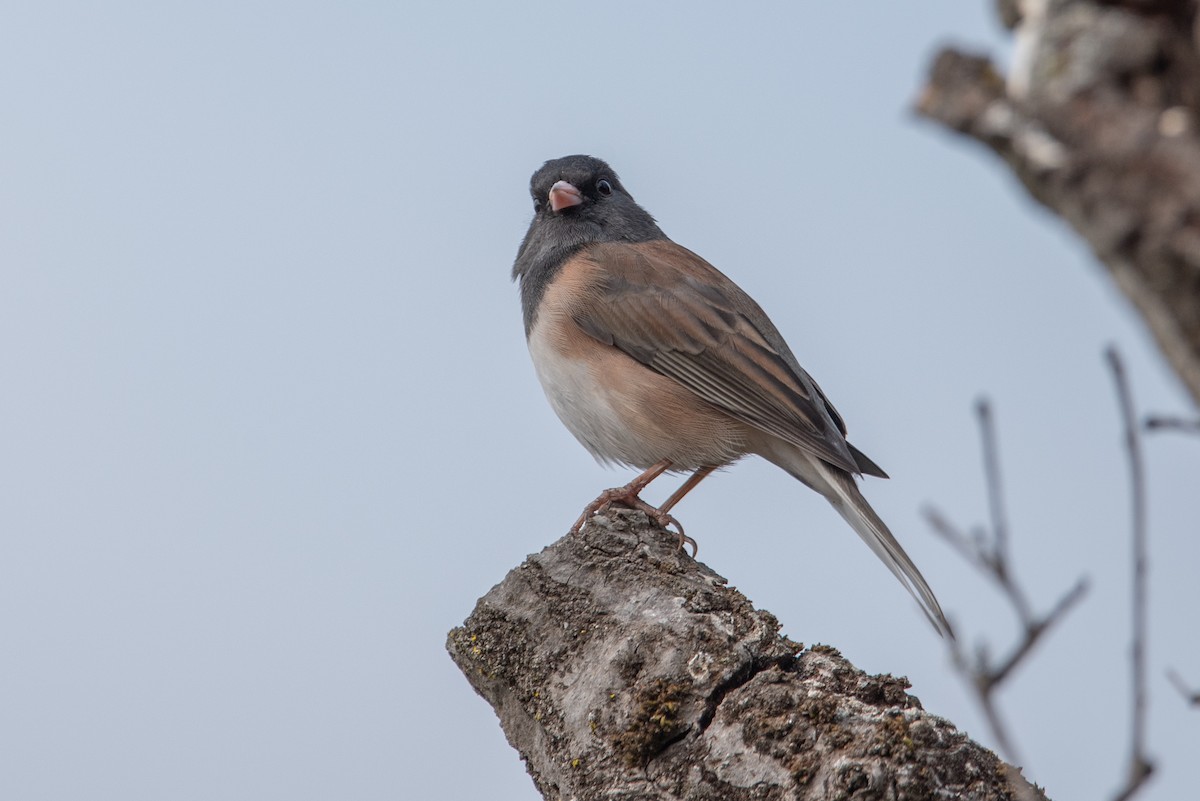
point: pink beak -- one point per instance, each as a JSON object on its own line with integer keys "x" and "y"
{"x": 564, "y": 195}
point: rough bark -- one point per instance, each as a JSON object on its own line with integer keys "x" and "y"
{"x": 622, "y": 669}
{"x": 1098, "y": 120}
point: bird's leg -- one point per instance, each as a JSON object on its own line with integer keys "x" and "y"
{"x": 687, "y": 487}
{"x": 628, "y": 496}
{"x": 677, "y": 496}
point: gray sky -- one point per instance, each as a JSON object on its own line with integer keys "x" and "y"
{"x": 268, "y": 426}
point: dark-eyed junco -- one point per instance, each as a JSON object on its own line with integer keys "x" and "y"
{"x": 654, "y": 359}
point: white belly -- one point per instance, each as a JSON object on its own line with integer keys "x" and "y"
{"x": 584, "y": 406}
{"x": 625, "y": 413}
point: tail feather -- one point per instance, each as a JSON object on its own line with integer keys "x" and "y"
{"x": 852, "y": 506}
{"x": 840, "y": 489}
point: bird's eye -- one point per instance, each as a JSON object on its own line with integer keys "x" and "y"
{"x": 538, "y": 203}
{"x": 604, "y": 187}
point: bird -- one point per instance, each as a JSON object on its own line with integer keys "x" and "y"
{"x": 655, "y": 360}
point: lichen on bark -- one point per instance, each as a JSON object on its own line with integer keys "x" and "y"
{"x": 621, "y": 668}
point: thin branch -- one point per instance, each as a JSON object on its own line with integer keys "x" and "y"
{"x": 1140, "y": 766}
{"x": 1190, "y": 695}
{"x": 991, "y": 469}
{"x": 1156, "y": 422}
{"x": 969, "y": 548}
{"x": 989, "y": 553}
{"x": 1039, "y": 627}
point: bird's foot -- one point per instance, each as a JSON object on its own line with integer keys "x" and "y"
{"x": 628, "y": 496}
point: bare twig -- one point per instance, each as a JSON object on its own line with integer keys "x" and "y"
{"x": 1158, "y": 422}
{"x": 1036, "y": 628}
{"x": 990, "y": 554}
{"x": 1140, "y": 766}
{"x": 1190, "y": 695}
{"x": 991, "y": 469}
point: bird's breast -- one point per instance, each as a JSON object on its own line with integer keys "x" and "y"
{"x": 619, "y": 409}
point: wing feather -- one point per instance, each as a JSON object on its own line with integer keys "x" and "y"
{"x": 677, "y": 314}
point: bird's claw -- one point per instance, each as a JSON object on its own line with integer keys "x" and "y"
{"x": 622, "y": 496}
{"x": 666, "y": 521}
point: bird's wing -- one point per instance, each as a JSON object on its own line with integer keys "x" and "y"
{"x": 677, "y": 314}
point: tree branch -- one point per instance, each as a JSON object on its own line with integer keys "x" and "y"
{"x": 990, "y": 555}
{"x": 1166, "y": 423}
{"x": 622, "y": 669}
{"x": 1140, "y": 766}
{"x": 1189, "y": 695}
{"x": 1098, "y": 120}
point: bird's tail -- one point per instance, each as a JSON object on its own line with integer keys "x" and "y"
{"x": 840, "y": 490}
{"x": 852, "y": 506}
